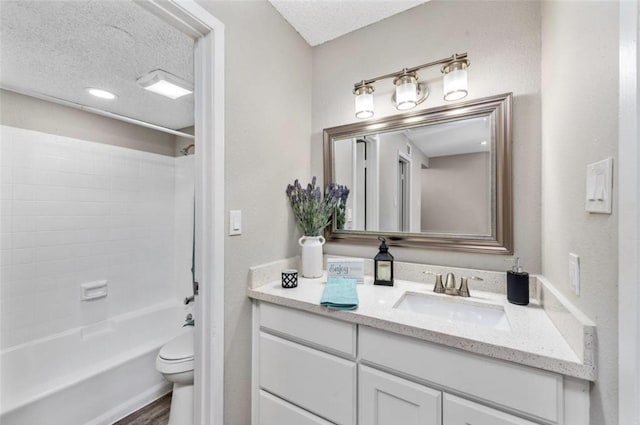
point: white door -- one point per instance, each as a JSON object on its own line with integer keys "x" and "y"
{"x": 208, "y": 34}
{"x": 385, "y": 399}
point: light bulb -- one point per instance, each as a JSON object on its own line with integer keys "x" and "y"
{"x": 406, "y": 92}
{"x": 364, "y": 102}
{"x": 455, "y": 84}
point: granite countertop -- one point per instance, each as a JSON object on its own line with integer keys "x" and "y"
{"x": 533, "y": 339}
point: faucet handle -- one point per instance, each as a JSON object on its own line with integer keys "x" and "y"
{"x": 464, "y": 286}
{"x": 437, "y": 287}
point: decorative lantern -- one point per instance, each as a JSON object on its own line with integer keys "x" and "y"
{"x": 383, "y": 265}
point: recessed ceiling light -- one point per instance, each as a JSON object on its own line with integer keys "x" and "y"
{"x": 102, "y": 94}
{"x": 166, "y": 84}
{"x": 483, "y": 143}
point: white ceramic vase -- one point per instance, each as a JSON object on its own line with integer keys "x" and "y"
{"x": 311, "y": 255}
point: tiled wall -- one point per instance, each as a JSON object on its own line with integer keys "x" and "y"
{"x": 74, "y": 211}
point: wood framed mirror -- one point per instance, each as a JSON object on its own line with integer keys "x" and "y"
{"x": 438, "y": 178}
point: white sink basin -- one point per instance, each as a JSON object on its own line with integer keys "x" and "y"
{"x": 455, "y": 310}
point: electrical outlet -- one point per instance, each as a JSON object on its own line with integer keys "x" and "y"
{"x": 574, "y": 273}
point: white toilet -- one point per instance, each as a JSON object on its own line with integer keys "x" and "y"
{"x": 175, "y": 362}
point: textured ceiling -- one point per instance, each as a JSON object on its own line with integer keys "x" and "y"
{"x": 58, "y": 48}
{"x": 318, "y": 21}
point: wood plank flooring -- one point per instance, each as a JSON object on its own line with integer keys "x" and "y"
{"x": 156, "y": 413}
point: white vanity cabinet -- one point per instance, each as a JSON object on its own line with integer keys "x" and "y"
{"x": 304, "y": 369}
{"x": 309, "y": 369}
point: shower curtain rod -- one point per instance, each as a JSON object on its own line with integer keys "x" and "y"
{"x": 97, "y": 111}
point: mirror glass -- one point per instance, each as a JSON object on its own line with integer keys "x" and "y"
{"x": 436, "y": 177}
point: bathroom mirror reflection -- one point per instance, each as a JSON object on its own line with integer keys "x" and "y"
{"x": 439, "y": 177}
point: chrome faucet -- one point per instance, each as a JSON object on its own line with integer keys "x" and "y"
{"x": 449, "y": 287}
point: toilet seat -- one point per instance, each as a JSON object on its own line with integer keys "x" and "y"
{"x": 169, "y": 367}
{"x": 176, "y": 356}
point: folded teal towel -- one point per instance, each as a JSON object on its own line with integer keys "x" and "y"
{"x": 340, "y": 293}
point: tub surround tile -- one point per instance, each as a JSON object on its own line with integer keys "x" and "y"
{"x": 555, "y": 338}
{"x": 74, "y": 211}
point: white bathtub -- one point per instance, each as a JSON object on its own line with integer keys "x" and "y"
{"x": 93, "y": 375}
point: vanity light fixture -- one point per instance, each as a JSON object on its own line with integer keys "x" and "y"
{"x": 408, "y": 91}
{"x": 166, "y": 84}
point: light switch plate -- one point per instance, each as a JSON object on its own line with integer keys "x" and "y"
{"x": 574, "y": 273}
{"x": 599, "y": 186}
{"x": 235, "y": 222}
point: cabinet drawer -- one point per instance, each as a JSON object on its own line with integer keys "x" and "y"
{"x": 463, "y": 412}
{"x": 274, "y": 411}
{"x": 316, "y": 381}
{"x": 327, "y": 333}
{"x": 525, "y": 389}
{"x": 388, "y": 400}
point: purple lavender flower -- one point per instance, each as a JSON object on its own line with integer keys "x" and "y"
{"x": 312, "y": 212}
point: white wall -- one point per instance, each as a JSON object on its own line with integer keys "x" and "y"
{"x": 580, "y": 126}
{"x": 268, "y": 116}
{"x": 503, "y": 42}
{"x": 455, "y": 194}
{"x": 74, "y": 211}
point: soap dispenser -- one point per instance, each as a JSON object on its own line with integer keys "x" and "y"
{"x": 517, "y": 285}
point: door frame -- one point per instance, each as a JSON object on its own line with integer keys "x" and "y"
{"x": 208, "y": 34}
{"x": 408, "y": 191}
{"x": 629, "y": 216}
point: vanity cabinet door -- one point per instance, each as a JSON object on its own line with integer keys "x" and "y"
{"x": 388, "y": 400}
{"x": 457, "y": 411}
